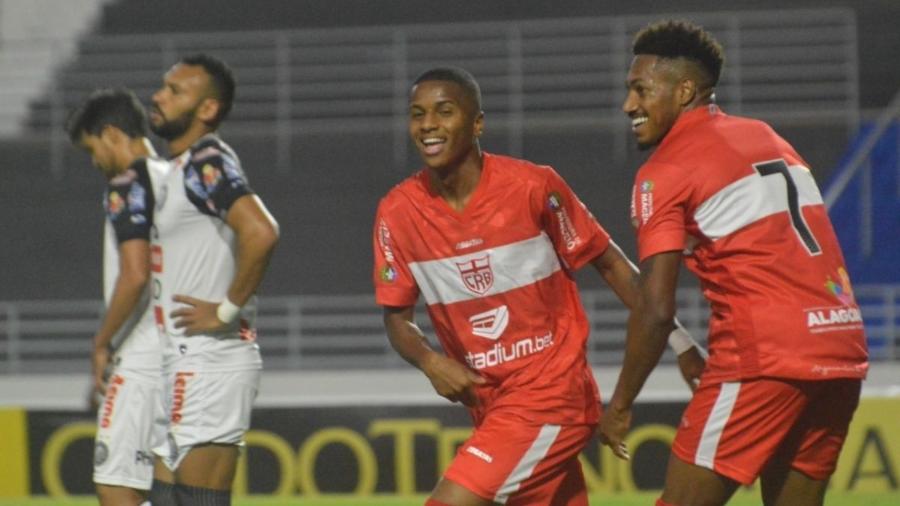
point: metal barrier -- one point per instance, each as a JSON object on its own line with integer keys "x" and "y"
{"x": 787, "y": 66}
{"x": 346, "y": 332}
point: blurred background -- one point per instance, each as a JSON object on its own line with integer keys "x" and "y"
{"x": 320, "y": 125}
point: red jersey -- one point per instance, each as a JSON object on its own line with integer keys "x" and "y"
{"x": 497, "y": 281}
{"x": 745, "y": 209}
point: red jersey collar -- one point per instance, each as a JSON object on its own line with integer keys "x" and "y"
{"x": 691, "y": 118}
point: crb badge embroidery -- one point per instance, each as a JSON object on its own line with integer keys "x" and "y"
{"x": 476, "y": 274}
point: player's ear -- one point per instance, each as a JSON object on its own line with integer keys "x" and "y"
{"x": 208, "y": 110}
{"x": 687, "y": 91}
{"x": 479, "y": 124}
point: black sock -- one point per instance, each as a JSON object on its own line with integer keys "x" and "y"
{"x": 162, "y": 494}
{"x": 196, "y": 496}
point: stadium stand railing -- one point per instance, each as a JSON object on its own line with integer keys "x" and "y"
{"x": 786, "y": 65}
{"x": 345, "y": 331}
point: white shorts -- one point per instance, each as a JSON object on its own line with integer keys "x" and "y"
{"x": 206, "y": 407}
{"x": 127, "y": 430}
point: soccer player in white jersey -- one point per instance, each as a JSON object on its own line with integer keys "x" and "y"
{"x": 111, "y": 126}
{"x": 213, "y": 238}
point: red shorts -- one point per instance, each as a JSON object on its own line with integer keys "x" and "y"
{"x": 736, "y": 428}
{"x": 510, "y": 461}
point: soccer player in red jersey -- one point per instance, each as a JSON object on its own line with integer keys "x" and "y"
{"x": 491, "y": 243}
{"x": 738, "y": 205}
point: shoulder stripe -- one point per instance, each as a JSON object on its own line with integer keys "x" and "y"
{"x": 487, "y": 272}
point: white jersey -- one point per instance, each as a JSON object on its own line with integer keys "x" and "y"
{"x": 130, "y": 202}
{"x": 195, "y": 254}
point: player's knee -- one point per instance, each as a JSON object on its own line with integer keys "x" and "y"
{"x": 197, "y": 496}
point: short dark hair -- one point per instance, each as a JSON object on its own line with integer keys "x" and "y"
{"x": 117, "y": 107}
{"x": 456, "y": 75}
{"x": 682, "y": 39}
{"x": 220, "y": 76}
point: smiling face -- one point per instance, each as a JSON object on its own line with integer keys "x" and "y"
{"x": 444, "y": 124}
{"x": 655, "y": 98}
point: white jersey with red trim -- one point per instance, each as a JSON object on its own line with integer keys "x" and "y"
{"x": 746, "y": 210}
{"x": 195, "y": 254}
{"x": 130, "y": 203}
{"x": 497, "y": 281}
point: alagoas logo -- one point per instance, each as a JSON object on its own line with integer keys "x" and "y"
{"x": 847, "y": 316}
{"x": 843, "y": 291}
{"x": 476, "y": 274}
{"x": 490, "y": 324}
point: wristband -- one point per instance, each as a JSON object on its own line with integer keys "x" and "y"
{"x": 227, "y": 311}
{"x": 680, "y": 340}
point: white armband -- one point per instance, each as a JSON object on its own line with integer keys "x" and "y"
{"x": 680, "y": 340}
{"x": 227, "y": 311}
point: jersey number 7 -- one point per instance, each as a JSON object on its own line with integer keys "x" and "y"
{"x": 781, "y": 167}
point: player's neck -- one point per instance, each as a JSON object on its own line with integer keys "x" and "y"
{"x": 457, "y": 184}
{"x": 192, "y": 135}
{"x": 141, "y": 148}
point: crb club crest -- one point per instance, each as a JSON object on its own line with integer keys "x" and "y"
{"x": 477, "y": 274}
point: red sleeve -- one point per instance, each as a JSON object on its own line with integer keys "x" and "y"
{"x": 575, "y": 233}
{"x": 394, "y": 284}
{"x": 659, "y": 198}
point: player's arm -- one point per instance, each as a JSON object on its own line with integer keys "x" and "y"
{"x": 257, "y": 234}
{"x": 623, "y": 278}
{"x": 649, "y": 325}
{"x": 449, "y": 378}
{"x": 134, "y": 275}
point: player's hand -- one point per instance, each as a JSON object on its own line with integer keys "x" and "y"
{"x": 691, "y": 363}
{"x": 99, "y": 375}
{"x": 451, "y": 379}
{"x": 613, "y": 429}
{"x": 196, "y": 316}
